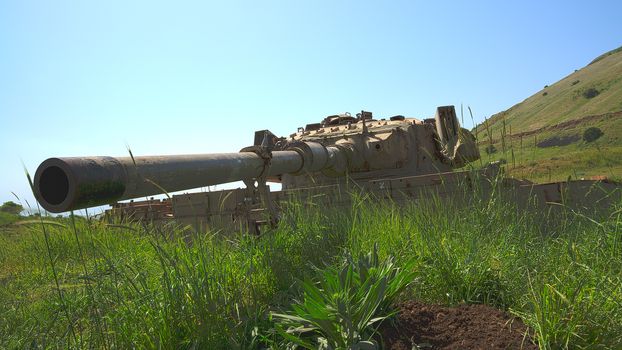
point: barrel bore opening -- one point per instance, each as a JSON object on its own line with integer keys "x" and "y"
{"x": 54, "y": 185}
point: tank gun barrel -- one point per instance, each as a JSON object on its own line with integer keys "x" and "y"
{"x": 339, "y": 149}
{"x": 63, "y": 184}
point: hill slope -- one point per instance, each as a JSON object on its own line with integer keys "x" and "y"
{"x": 541, "y": 138}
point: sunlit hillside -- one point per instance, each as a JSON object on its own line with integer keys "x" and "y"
{"x": 544, "y": 137}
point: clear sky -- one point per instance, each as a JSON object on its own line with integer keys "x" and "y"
{"x": 90, "y": 77}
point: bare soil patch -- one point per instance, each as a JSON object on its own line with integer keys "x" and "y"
{"x": 462, "y": 327}
{"x": 559, "y": 141}
{"x": 567, "y": 125}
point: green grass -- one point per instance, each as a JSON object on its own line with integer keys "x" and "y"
{"x": 83, "y": 284}
{"x": 7, "y": 218}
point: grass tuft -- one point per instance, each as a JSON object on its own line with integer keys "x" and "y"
{"x": 342, "y": 306}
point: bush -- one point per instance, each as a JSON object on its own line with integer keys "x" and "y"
{"x": 341, "y": 309}
{"x": 11, "y": 208}
{"x": 490, "y": 149}
{"x": 590, "y": 93}
{"x": 592, "y": 134}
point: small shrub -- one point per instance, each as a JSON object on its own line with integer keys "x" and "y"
{"x": 590, "y": 93}
{"x": 339, "y": 311}
{"x": 545, "y": 93}
{"x": 592, "y": 134}
{"x": 490, "y": 149}
{"x": 575, "y": 82}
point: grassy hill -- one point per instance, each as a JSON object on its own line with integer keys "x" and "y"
{"x": 541, "y": 138}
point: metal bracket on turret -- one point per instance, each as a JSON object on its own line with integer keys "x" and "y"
{"x": 364, "y": 115}
{"x": 263, "y": 150}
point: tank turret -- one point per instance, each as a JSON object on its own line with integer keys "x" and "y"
{"x": 319, "y": 154}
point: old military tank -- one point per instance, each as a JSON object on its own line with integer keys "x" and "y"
{"x": 398, "y": 158}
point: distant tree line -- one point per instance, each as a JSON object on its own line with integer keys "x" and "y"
{"x": 11, "y": 208}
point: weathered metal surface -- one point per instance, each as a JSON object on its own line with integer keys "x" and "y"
{"x": 63, "y": 184}
{"x": 152, "y": 210}
{"x": 401, "y": 159}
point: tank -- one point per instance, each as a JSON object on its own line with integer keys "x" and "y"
{"x": 398, "y": 158}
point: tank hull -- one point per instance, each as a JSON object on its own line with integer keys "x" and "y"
{"x": 242, "y": 210}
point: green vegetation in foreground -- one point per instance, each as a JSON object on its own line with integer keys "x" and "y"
{"x": 343, "y": 308}
{"x": 8, "y": 218}
{"x": 66, "y": 285}
{"x": 588, "y": 97}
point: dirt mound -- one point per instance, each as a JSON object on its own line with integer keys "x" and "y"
{"x": 462, "y": 327}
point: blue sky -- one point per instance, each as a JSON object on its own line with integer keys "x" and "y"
{"x": 90, "y": 77}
